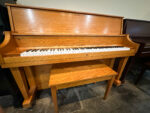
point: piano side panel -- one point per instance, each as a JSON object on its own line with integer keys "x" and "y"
{"x": 8, "y": 45}
{"x": 40, "y": 21}
{"x": 129, "y": 43}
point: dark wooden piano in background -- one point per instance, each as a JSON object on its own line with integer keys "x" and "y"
{"x": 41, "y": 37}
{"x": 139, "y": 31}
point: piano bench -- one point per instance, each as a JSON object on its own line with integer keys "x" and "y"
{"x": 79, "y": 73}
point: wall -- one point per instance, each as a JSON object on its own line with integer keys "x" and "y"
{"x": 2, "y": 2}
{"x": 135, "y": 9}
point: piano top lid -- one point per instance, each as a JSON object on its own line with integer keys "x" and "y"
{"x": 26, "y": 20}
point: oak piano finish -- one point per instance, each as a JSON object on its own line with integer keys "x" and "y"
{"x": 38, "y": 31}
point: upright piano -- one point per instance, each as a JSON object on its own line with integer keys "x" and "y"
{"x": 139, "y": 33}
{"x": 41, "y": 37}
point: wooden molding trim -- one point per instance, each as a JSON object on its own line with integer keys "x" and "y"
{"x": 6, "y": 39}
{"x": 69, "y": 11}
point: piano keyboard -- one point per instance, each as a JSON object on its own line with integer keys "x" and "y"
{"x": 58, "y": 51}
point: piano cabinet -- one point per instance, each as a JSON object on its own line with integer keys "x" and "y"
{"x": 31, "y": 29}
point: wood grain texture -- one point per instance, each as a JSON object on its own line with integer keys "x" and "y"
{"x": 30, "y": 77}
{"x": 10, "y": 18}
{"x": 79, "y": 71}
{"x": 121, "y": 67}
{"x": 27, "y": 103}
{"x": 1, "y": 59}
{"x": 40, "y": 60}
{"x": 110, "y": 83}
{"x": 6, "y": 39}
{"x": 63, "y": 22}
{"x": 130, "y": 43}
{"x": 41, "y": 76}
{"x": 8, "y": 45}
{"x": 39, "y": 42}
{"x": 31, "y": 42}
{"x": 83, "y": 82}
{"x": 59, "y": 10}
{"x": 54, "y": 98}
{"x": 37, "y": 28}
{"x": 20, "y": 79}
{"x": 112, "y": 61}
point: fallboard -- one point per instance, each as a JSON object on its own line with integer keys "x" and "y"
{"x": 43, "y": 41}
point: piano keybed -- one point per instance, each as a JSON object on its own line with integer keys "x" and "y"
{"x": 59, "y": 51}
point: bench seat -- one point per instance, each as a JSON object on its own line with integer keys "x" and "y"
{"x": 79, "y": 73}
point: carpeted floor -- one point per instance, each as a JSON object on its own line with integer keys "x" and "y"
{"x": 89, "y": 99}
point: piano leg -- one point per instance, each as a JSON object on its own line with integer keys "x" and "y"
{"x": 20, "y": 78}
{"x": 32, "y": 85}
{"x": 129, "y": 64}
{"x": 112, "y": 63}
{"x": 120, "y": 69}
{"x": 30, "y": 77}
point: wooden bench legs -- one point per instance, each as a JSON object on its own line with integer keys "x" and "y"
{"x": 54, "y": 93}
{"x": 54, "y": 98}
{"x": 109, "y": 85}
